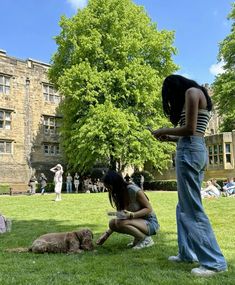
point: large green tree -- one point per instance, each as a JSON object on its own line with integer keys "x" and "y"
{"x": 224, "y": 85}
{"x": 109, "y": 65}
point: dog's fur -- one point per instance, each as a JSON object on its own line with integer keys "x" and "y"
{"x": 67, "y": 242}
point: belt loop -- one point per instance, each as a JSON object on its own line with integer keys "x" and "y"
{"x": 190, "y": 139}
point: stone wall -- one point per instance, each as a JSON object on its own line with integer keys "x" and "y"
{"x": 27, "y": 105}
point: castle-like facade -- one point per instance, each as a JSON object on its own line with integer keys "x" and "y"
{"x": 29, "y": 120}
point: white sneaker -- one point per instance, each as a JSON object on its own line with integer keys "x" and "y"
{"x": 132, "y": 243}
{"x": 146, "y": 242}
{"x": 175, "y": 258}
{"x": 204, "y": 272}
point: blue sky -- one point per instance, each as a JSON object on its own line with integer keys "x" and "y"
{"x": 28, "y": 28}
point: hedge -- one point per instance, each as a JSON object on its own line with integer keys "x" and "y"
{"x": 171, "y": 185}
{"x": 4, "y": 189}
{"x": 165, "y": 185}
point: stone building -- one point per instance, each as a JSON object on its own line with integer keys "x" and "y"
{"x": 28, "y": 119}
{"x": 221, "y": 151}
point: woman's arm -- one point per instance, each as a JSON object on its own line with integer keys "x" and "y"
{"x": 168, "y": 138}
{"x": 104, "y": 237}
{"x": 53, "y": 169}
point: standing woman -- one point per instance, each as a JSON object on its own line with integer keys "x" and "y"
{"x": 135, "y": 215}
{"x": 76, "y": 182}
{"x": 58, "y": 180}
{"x": 33, "y": 183}
{"x": 188, "y": 106}
{"x": 43, "y": 182}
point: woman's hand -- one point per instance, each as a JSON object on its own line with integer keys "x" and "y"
{"x": 160, "y": 134}
{"x": 128, "y": 214}
{"x": 103, "y": 238}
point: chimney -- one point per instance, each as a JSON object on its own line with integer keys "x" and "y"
{"x": 2, "y": 52}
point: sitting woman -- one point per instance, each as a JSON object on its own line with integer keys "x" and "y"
{"x": 135, "y": 215}
{"x": 211, "y": 191}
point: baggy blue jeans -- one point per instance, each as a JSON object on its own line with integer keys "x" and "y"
{"x": 196, "y": 240}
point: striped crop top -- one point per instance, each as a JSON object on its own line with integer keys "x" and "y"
{"x": 202, "y": 120}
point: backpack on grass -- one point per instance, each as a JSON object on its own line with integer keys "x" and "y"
{"x": 5, "y": 224}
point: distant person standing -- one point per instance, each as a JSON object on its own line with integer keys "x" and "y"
{"x": 76, "y": 182}
{"x": 69, "y": 186}
{"x": 32, "y": 184}
{"x": 43, "y": 182}
{"x": 58, "y": 180}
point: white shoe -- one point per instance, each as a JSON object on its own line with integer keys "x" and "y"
{"x": 204, "y": 272}
{"x": 132, "y": 243}
{"x": 175, "y": 258}
{"x": 146, "y": 242}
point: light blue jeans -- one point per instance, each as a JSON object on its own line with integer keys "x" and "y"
{"x": 69, "y": 187}
{"x": 196, "y": 239}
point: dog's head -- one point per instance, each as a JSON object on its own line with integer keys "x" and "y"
{"x": 85, "y": 237}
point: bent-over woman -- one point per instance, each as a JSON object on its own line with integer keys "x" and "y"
{"x": 135, "y": 215}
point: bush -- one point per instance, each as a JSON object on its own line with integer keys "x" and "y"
{"x": 165, "y": 185}
{"x": 4, "y": 188}
{"x": 171, "y": 185}
{"x": 136, "y": 177}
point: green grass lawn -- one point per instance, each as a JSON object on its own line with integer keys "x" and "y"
{"x": 111, "y": 263}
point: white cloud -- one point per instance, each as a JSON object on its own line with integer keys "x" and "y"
{"x": 78, "y": 3}
{"x": 217, "y": 68}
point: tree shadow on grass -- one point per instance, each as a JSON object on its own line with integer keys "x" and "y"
{"x": 118, "y": 243}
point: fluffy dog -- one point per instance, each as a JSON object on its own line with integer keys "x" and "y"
{"x": 67, "y": 242}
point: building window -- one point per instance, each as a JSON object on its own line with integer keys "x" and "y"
{"x": 5, "y": 119}
{"x": 228, "y": 152}
{"x": 4, "y": 84}
{"x": 51, "y": 149}
{"x": 215, "y": 154}
{"x": 50, "y": 125}
{"x": 5, "y": 147}
{"x": 50, "y": 94}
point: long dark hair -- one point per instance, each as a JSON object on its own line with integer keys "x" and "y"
{"x": 119, "y": 186}
{"x": 173, "y": 96}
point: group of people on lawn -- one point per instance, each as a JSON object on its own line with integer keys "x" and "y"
{"x": 72, "y": 183}
{"x": 214, "y": 190}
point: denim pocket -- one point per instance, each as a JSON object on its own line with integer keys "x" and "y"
{"x": 198, "y": 159}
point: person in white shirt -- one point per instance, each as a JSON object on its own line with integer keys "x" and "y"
{"x": 76, "y": 182}
{"x": 210, "y": 191}
{"x": 58, "y": 180}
